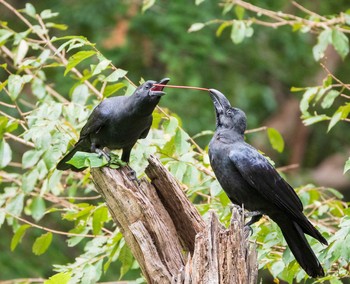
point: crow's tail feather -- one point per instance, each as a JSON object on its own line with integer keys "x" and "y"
{"x": 301, "y": 249}
{"x": 81, "y": 145}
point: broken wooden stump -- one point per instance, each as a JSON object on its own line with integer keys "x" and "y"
{"x": 167, "y": 235}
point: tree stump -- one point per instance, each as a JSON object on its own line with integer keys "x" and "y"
{"x": 167, "y": 235}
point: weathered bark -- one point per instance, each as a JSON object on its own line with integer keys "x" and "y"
{"x": 167, "y": 235}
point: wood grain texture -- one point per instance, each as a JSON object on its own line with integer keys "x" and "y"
{"x": 167, "y": 235}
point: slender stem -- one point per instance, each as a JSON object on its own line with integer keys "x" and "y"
{"x": 20, "y": 140}
{"x": 48, "y": 229}
{"x": 182, "y": 87}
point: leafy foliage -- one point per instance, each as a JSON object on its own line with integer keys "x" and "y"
{"x": 44, "y": 123}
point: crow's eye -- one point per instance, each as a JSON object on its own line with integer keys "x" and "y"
{"x": 148, "y": 86}
{"x": 229, "y": 111}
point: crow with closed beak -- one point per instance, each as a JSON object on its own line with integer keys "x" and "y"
{"x": 250, "y": 180}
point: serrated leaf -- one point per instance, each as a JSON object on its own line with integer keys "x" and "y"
{"x": 5, "y": 154}
{"x": 276, "y": 139}
{"x": 38, "y": 208}
{"x": 60, "y": 278}
{"x": 340, "y": 42}
{"x": 196, "y": 27}
{"x": 42, "y": 243}
{"x": 347, "y": 166}
{"x": 76, "y": 58}
{"x": 84, "y": 159}
{"x": 99, "y": 217}
{"x": 17, "y": 237}
{"x": 238, "y": 31}
{"x": 329, "y": 98}
{"x": 116, "y": 75}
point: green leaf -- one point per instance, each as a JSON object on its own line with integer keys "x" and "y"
{"x": 30, "y": 158}
{"x": 341, "y": 113}
{"x": 3, "y": 123}
{"x": 238, "y": 31}
{"x": 239, "y": 11}
{"x": 84, "y": 159}
{"x": 15, "y": 206}
{"x": 196, "y": 27}
{"x": 21, "y": 51}
{"x": 30, "y": 10}
{"x": 329, "y": 98}
{"x": 4, "y": 35}
{"x": 111, "y": 89}
{"x": 307, "y": 98}
{"x": 5, "y": 154}
{"x": 314, "y": 119}
{"x": 42, "y": 243}
{"x": 29, "y": 180}
{"x": 47, "y": 14}
{"x": 276, "y": 139}
{"x": 2, "y": 217}
{"x": 181, "y": 144}
{"x": 197, "y": 2}
{"x": 38, "y": 208}
{"x": 16, "y": 83}
{"x": 99, "y": 217}
{"x": 126, "y": 259}
{"x": 60, "y": 278}
{"x": 146, "y": 4}
{"x": 76, "y": 58}
{"x": 340, "y": 42}
{"x": 215, "y": 188}
{"x": 17, "y": 237}
{"x": 221, "y": 28}
{"x": 116, "y": 75}
{"x": 101, "y": 66}
{"x": 347, "y": 166}
{"x": 324, "y": 38}
{"x": 80, "y": 94}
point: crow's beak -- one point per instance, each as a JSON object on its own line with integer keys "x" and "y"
{"x": 221, "y": 103}
{"x": 158, "y": 90}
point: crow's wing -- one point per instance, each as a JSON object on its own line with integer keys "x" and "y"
{"x": 96, "y": 120}
{"x": 262, "y": 176}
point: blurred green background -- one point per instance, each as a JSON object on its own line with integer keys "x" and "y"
{"x": 256, "y": 76}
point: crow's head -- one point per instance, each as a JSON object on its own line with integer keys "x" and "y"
{"x": 147, "y": 91}
{"x": 147, "y": 96}
{"x": 226, "y": 116}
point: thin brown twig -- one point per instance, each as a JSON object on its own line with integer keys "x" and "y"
{"x": 20, "y": 140}
{"x": 335, "y": 78}
{"x": 50, "y": 230}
